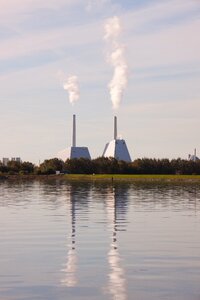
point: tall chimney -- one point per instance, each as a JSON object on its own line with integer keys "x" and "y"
{"x": 115, "y": 127}
{"x": 195, "y": 154}
{"x": 74, "y": 132}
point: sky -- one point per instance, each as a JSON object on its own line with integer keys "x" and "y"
{"x": 42, "y": 43}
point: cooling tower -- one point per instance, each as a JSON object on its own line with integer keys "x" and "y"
{"x": 117, "y": 147}
{"x": 74, "y": 151}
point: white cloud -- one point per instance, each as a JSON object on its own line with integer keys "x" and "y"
{"x": 53, "y": 39}
{"x": 159, "y": 11}
{"x": 180, "y": 44}
{"x": 173, "y": 44}
{"x": 95, "y": 5}
{"x": 21, "y": 6}
{"x": 163, "y": 111}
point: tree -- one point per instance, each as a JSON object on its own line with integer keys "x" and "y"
{"x": 79, "y": 166}
{"x": 50, "y": 166}
{"x": 14, "y": 166}
{"x": 27, "y": 167}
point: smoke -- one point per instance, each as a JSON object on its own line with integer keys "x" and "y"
{"x": 72, "y": 86}
{"x": 112, "y": 29}
{"x": 117, "y": 60}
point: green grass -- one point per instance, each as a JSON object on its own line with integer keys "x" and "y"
{"x": 108, "y": 177}
{"x": 133, "y": 177}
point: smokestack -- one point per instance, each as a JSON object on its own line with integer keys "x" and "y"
{"x": 74, "y": 132}
{"x": 115, "y": 127}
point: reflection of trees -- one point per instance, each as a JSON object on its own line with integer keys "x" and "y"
{"x": 17, "y": 193}
{"x": 164, "y": 194}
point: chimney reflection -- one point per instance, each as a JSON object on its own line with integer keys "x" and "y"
{"x": 115, "y": 210}
{"x": 70, "y": 269}
{"x": 77, "y": 200}
{"x": 116, "y": 278}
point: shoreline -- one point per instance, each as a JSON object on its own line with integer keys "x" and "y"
{"x": 104, "y": 177}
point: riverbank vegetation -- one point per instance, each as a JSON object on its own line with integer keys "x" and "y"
{"x": 103, "y": 165}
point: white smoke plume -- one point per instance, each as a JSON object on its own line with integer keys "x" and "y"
{"x": 112, "y": 28}
{"x": 117, "y": 60}
{"x": 72, "y": 86}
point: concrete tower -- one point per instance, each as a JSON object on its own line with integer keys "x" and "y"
{"x": 74, "y": 151}
{"x": 117, "y": 147}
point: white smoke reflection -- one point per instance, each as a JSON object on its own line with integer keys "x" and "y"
{"x": 70, "y": 270}
{"x": 117, "y": 282}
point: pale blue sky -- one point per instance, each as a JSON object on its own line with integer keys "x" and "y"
{"x": 159, "y": 113}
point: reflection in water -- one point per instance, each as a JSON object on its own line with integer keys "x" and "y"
{"x": 70, "y": 269}
{"x": 77, "y": 200}
{"x": 117, "y": 281}
{"x": 49, "y": 226}
{"x": 116, "y": 203}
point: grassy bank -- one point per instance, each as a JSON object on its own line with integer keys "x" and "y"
{"x": 106, "y": 177}
{"x": 123, "y": 177}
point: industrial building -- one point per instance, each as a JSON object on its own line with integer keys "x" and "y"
{"x": 117, "y": 147}
{"x": 74, "y": 151}
{"x": 193, "y": 157}
{"x": 5, "y": 160}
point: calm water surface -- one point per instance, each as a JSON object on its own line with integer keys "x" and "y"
{"x": 97, "y": 241}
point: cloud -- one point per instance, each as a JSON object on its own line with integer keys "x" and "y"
{"x": 173, "y": 45}
{"x": 54, "y": 39}
{"x": 20, "y": 6}
{"x": 95, "y": 5}
{"x": 167, "y": 41}
{"x": 14, "y": 14}
{"x": 159, "y": 12}
{"x": 175, "y": 42}
{"x": 162, "y": 98}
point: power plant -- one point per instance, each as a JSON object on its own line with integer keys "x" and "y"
{"x": 194, "y": 156}
{"x": 117, "y": 147}
{"x": 74, "y": 151}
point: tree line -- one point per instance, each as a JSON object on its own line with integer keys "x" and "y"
{"x": 104, "y": 165}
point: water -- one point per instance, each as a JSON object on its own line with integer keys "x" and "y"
{"x": 97, "y": 241}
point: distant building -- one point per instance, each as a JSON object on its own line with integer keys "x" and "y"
{"x": 193, "y": 157}
{"x": 5, "y": 161}
{"x": 18, "y": 159}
